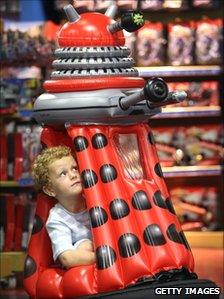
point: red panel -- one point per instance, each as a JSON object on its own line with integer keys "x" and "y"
{"x": 53, "y": 137}
{"x": 3, "y": 158}
{"x": 53, "y": 278}
{"x": 129, "y": 253}
{"x": 20, "y": 210}
{"x": 39, "y": 248}
{"x": 79, "y": 281}
{"x": 18, "y": 163}
{"x": 168, "y": 256}
{"x": 181, "y": 255}
{"x": 10, "y": 223}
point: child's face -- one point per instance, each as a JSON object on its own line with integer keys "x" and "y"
{"x": 65, "y": 181}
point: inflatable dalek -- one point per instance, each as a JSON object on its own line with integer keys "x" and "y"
{"x": 96, "y": 104}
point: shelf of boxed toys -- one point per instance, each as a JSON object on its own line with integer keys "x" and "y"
{"x": 187, "y": 72}
{"x": 28, "y": 182}
{"x": 169, "y": 172}
{"x": 179, "y": 71}
{"x": 178, "y": 112}
{"x": 191, "y": 171}
{"x": 27, "y": 114}
{"x": 21, "y": 115}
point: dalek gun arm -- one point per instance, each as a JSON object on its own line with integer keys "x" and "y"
{"x": 155, "y": 93}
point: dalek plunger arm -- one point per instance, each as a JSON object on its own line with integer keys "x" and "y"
{"x": 155, "y": 93}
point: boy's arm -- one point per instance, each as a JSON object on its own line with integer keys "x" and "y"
{"x": 85, "y": 245}
{"x": 68, "y": 254}
{"x": 77, "y": 257}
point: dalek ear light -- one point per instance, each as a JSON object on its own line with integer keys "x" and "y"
{"x": 71, "y": 13}
{"x": 111, "y": 11}
{"x": 130, "y": 21}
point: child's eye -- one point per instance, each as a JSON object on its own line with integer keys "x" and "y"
{"x": 74, "y": 168}
{"x": 63, "y": 173}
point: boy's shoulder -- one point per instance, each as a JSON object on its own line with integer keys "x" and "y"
{"x": 57, "y": 213}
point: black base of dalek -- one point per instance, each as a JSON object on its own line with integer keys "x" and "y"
{"x": 175, "y": 284}
{"x": 183, "y": 289}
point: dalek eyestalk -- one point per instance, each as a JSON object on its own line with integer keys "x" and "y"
{"x": 131, "y": 21}
{"x": 155, "y": 91}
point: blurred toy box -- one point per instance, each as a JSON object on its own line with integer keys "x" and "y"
{"x": 187, "y": 146}
{"x": 19, "y": 93}
{"x": 196, "y": 207}
{"x": 199, "y": 94}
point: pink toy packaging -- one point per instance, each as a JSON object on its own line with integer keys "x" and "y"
{"x": 150, "y": 45}
{"x": 209, "y": 41}
{"x": 181, "y": 43}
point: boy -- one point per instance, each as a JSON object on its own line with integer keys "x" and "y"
{"x": 56, "y": 173}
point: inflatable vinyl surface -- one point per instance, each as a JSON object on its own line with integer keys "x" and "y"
{"x": 95, "y": 92}
{"x": 135, "y": 230}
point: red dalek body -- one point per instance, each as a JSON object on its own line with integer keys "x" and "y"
{"x": 97, "y": 105}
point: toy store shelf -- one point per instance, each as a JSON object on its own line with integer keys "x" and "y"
{"x": 176, "y": 71}
{"x": 25, "y": 113}
{"x": 209, "y": 239}
{"x": 28, "y": 182}
{"x": 11, "y": 261}
{"x": 21, "y": 114}
{"x": 207, "y": 111}
{"x": 192, "y": 171}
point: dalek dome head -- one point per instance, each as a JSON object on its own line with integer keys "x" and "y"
{"x": 91, "y": 29}
{"x": 93, "y": 72}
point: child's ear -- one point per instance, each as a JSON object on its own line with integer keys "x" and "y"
{"x": 49, "y": 191}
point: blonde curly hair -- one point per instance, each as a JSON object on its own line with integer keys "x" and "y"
{"x": 40, "y": 169}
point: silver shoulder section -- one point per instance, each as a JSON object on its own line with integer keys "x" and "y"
{"x": 95, "y": 107}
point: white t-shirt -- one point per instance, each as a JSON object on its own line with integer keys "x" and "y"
{"x": 66, "y": 229}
